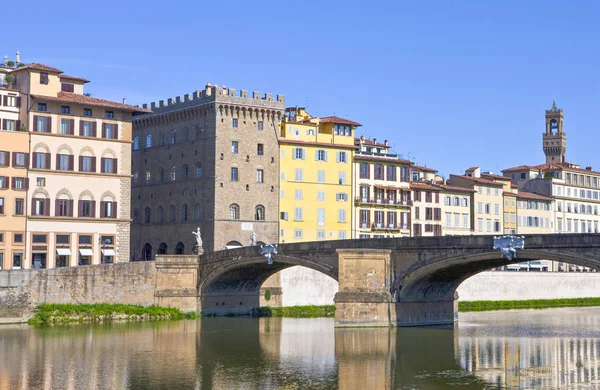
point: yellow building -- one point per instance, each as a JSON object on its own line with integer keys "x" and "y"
{"x": 509, "y": 196}
{"x": 316, "y": 177}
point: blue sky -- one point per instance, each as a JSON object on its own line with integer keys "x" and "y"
{"x": 452, "y": 84}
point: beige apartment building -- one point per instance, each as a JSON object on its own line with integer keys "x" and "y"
{"x": 456, "y": 210}
{"x": 75, "y": 173}
{"x": 426, "y": 210}
{"x": 382, "y": 194}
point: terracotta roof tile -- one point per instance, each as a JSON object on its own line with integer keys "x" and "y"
{"x": 424, "y": 169}
{"x": 424, "y": 186}
{"x": 448, "y": 187}
{"x": 64, "y": 76}
{"x": 513, "y": 185}
{"x": 531, "y": 195}
{"x": 478, "y": 180}
{"x": 42, "y": 67}
{"x": 519, "y": 168}
{"x": 472, "y": 169}
{"x": 498, "y": 177}
{"x": 335, "y": 119}
{"x": 68, "y": 97}
{"x": 359, "y": 156}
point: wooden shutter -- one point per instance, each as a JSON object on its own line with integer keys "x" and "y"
{"x": 72, "y": 126}
{"x": 57, "y": 207}
{"x": 33, "y": 207}
{"x": 70, "y": 208}
{"x": 71, "y": 162}
{"x": 46, "y": 207}
{"x": 437, "y": 197}
{"x": 116, "y": 131}
{"x": 93, "y": 209}
{"x": 26, "y": 183}
{"x": 34, "y": 162}
{"x": 79, "y": 208}
{"x": 81, "y": 128}
{"x": 48, "y": 124}
{"x": 102, "y": 164}
{"x": 93, "y": 164}
{"x": 47, "y": 155}
{"x": 80, "y": 163}
{"x": 35, "y": 123}
{"x": 26, "y": 160}
{"x": 101, "y": 209}
{"x": 368, "y": 218}
{"x": 114, "y": 210}
{"x": 13, "y": 182}
{"x": 5, "y": 100}
{"x": 94, "y": 129}
{"x": 14, "y": 159}
{"x": 57, "y": 161}
{"x": 4, "y": 124}
{"x": 103, "y": 130}
{"x": 18, "y": 101}
{"x": 18, "y": 125}
{"x": 114, "y": 167}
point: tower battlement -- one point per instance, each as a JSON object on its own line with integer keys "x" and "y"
{"x": 217, "y": 94}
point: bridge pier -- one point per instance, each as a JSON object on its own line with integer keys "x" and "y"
{"x": 425, "y": 313}
{"x": 364, "y": 296}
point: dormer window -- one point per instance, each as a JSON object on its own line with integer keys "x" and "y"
{"x": 43, "y": 78}
{"x": 65, "y": 109}
{"x": 87, "y": 112}
{"x": 67, "y": 87}
{"x": 42, "y": 107}
{"x": 110, "y": 114}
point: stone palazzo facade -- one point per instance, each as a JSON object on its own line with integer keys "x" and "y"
{"x": 208, "y": 160}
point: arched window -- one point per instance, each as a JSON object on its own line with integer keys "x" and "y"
{"x": 149, "y": 141}
{"x": 184, "y": 212}
{"x": 161, "y": 139}
{"x": 173, "y": 136}
{"x": 147, "y": 252}
{"x": 173, "y": 173}
{"x": 136, "y": 142}
{"x": 136, "y": 177}
{"x": 160, "y": 214}
{"x": 234, "y": 211}
{"x": 148, "y": 176}
{"x": 179, "y": 248}
{"x": 186, "y": 134}
{"x": 162, "y": 249}
{"x": 197, "y": 212}
{"x": 259, "y": 213}
{"x": 161, "y": 174}
{"x": 198, "y": 171}
{"x": 147, "y": 213}
{"x": 172, "y": 214}
{"x": 185, "y": 172}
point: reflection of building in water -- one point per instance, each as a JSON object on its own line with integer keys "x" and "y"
{"x": 532, "y": 362}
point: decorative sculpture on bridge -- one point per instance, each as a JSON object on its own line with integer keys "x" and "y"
{"x": 253, "y": 238}
{"x": 268, "y": 251}
{"x": 199, "y": 249}
{"x": 508, "y": 245}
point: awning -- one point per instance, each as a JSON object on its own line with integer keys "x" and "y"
{"x": 513, "y": 266}
{"x": 232, "y": 246}
{"x": 86, "y": 252}
{"x": 108, "y": 252}
{"x": 63, "y": 251}
{"x": 536, "y": 264}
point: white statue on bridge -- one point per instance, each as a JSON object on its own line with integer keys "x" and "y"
{"x": 198, "y": 241}
{"x": 268, "y": 251}
{"x": 253, "y": 238}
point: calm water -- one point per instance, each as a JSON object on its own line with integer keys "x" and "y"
{"x": 556, "y": 348}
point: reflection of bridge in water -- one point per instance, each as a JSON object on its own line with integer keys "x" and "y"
{"x": 292, "y": 353}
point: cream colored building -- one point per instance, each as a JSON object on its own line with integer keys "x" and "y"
{"x": 382, "y": 196}
{"x": 77, "y": 172}
{"x": 456, "y": 210}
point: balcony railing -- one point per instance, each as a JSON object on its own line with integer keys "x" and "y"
{"x": 388, "y": 226}
{"x": 383, "y": 201}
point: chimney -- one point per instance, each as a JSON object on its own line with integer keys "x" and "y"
{"x": 374, "y": 140}
{"x": 588, "y": 168}
{"x": 385, "y": 142}
{"x": 17, "y": 58}
{"x": 124, "y": 100}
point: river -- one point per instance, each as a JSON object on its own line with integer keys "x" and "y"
{"x": 541, "y": 349}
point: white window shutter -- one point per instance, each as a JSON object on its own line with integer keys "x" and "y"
{"x": 294, "y": 153}
{"x": 325, "y": 155}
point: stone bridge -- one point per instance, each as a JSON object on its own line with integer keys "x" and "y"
{"x": 382, "y": 282}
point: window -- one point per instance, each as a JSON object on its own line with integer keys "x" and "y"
{"x": 234, "y": 174}
{"x": 19, "y": 183}
{"x": 260, "y": 176}
{"x": 298, "y": 195}
{"x": 341, "y": 197}
{"x": 160, "y": 214}
{"x": 136, "y": 142}
{"x": 87, "y": 112}
{"x": 185, "y": 172}
{"x": 342, "y": 235}
{"x": 109, "y": 114}
{"x": 173, "y": 174}
{"x": 341, "y": 215}
{"x": 342, "y": 157}
{"x": 1, "y": 206}
{"x": 110, "y": 130}
{"x": 448, "y": 220}
{"x": 364, "y": 170}
{"x": 298, "y": 233}
{"x": 496, "y": 209}
{"x": 234, "y": 123}
{"x": 488, "y": 208}
{"x": 260, "y": 149}
{"x": 149, "y": 140}
{"x": 10, "y": 124}
{"x": 378, "y": 172}
{"x": 86, "y": 208}
{"x": 259, "y": 213}
{"x": 3, "y": 182}
{"x": 4, "y": 160}
{"x": 298, "y": 214}
{"x": 184, "y": 212}
{"x": 234, "y": 147}
{"x": 342, "y": 177}
{"x": 161, "y": 139}
{"x": 65, "y": 109}
{"x": 64, "y": 126}
{"x": 67, "y": 87}
{"x": 63, "y": 208}
{"x": 320, "y": 217}
{"x": 298, "y": 174}
{"x": 456, "y": 201}
{"x": 148, "y": 176}
{"x": 391, "y": 173}
{"x": 465, "y": 218}
{"x": 198, "y": 171}
{"x": 321, "y": 196}
{"x": 87, "y": 130}
{"x": 42, "y": 107}
{"x": 17, "y": 259}
{"x": 159, "y": 176}
{"x": 109, "y": 165}
{"x": 85, "y": 164}
{"x": 19, "y": 206}
{"x": 447, "y": 200}
{"x": 197, "y": 212}
{"x": 39, "y": 207}
{"x": 260, "y": 125}
{"x": 234, "y": 211}
{"x": 320, "y": 234}
{"x": 173, "y": 136}
{"x": 19, "y": 160}
{"x": 321, "y": 176}
{"x": 299, "y": 154}
{"x": 41, "y": 124}
{"x": 108, "y": 209}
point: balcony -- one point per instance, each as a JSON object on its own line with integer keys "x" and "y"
{"x": 383, "y": 202}
{"x": 388, "y": 226}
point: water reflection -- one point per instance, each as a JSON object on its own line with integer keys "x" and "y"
{"x": 521, "y": 349}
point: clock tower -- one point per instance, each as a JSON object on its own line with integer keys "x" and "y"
{"x": 554, "y": 139}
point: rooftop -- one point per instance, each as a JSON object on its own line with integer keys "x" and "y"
{"x": 387, "y": 158}
{"x": 478, "y": 180}
{"x": 40, "y": 67}
{"x": 532, "y": 196}
{"x": 335, "y": 119}
{"x": 424, "y": 169}
{"x": 68, "y": 97}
